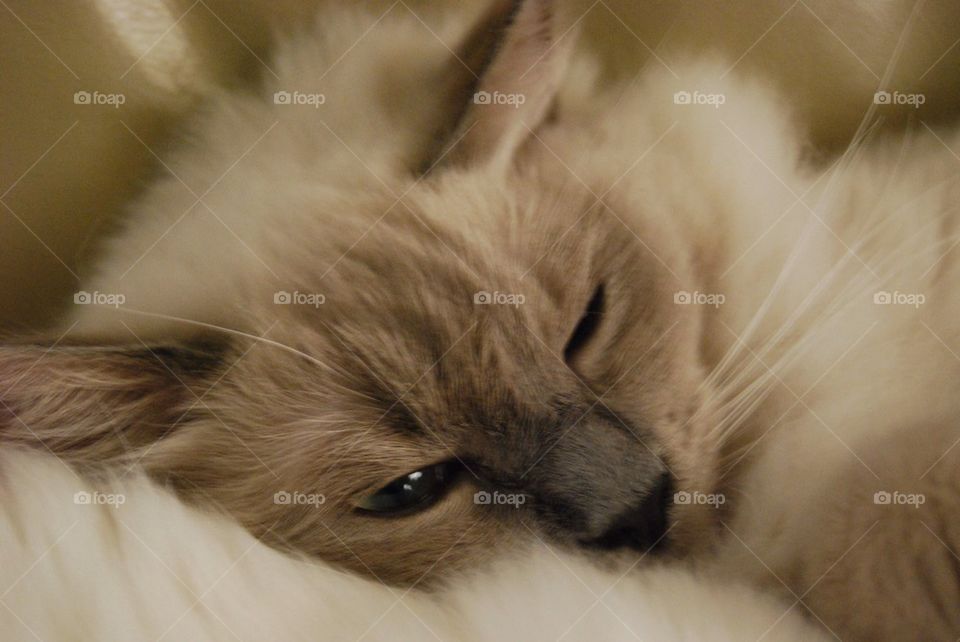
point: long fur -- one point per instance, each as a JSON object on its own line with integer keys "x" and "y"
{"x": 146, "y": 567}
{"x": 792, "y": 398}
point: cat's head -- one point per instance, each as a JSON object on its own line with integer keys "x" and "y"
{"x": 498, "y": 360}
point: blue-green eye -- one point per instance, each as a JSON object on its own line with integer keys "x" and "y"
{"x": 413, "y": 491}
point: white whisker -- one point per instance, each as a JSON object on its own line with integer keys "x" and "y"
{"x": 239, "y": 333}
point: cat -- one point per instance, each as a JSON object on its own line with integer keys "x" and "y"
{"x": 404, "y": 310}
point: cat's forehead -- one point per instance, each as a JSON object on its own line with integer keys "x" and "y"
{"x": 466, "y": 287}
{"x": 422, "y": 313}
{"x": 450, "y": 237}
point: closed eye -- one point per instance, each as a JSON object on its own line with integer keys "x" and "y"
{"x": 587, "y": 326}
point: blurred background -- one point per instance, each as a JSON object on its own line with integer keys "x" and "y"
{"x": 68, "y": 167}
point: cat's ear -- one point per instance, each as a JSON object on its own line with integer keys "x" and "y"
{"x": 92, "y": 405}
{"x": 510, "y": 69}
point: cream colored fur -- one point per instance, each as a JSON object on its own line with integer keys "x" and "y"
{"x": 152, "y": 569}
{"x": 799, "y": 253}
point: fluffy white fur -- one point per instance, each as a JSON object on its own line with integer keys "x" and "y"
{"x": 872, "y": 208}
{"x": 152, "y": 569}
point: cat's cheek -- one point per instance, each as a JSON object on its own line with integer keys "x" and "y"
{"x": 692, "y": 451}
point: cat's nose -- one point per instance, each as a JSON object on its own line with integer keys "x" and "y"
{"x": 644, "y": 526}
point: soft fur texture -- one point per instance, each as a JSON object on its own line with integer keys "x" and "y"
{"x": 151, "y": 568}
{"x": 792, "y": 398}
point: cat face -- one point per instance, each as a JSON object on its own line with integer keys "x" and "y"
{"x": 561, "y": 409}
{"x": 549, "y": 410}
{"x": 498, "y": 360}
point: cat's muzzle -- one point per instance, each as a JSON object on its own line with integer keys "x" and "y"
{"x": 644, "y": 527}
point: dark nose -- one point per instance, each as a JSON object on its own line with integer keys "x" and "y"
{"x": 644, "y": 526}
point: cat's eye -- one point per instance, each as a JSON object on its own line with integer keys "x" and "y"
{"x": 411, "y": 492}
{"x": 586, "y": 327}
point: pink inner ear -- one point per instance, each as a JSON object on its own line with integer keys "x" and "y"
{"x": 516, "y": 89}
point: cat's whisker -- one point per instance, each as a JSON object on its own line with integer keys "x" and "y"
{"x": 753, "y": 395}
{"x": 809, "y": 300}
{"x": 845, "y": 160}
{"x": 742, "y": 406}
{"x": 258, "y": 339}
{"x": 759, "y": 389}
{"x": 226, "y": 330}
{"x": 745, "y": 371}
